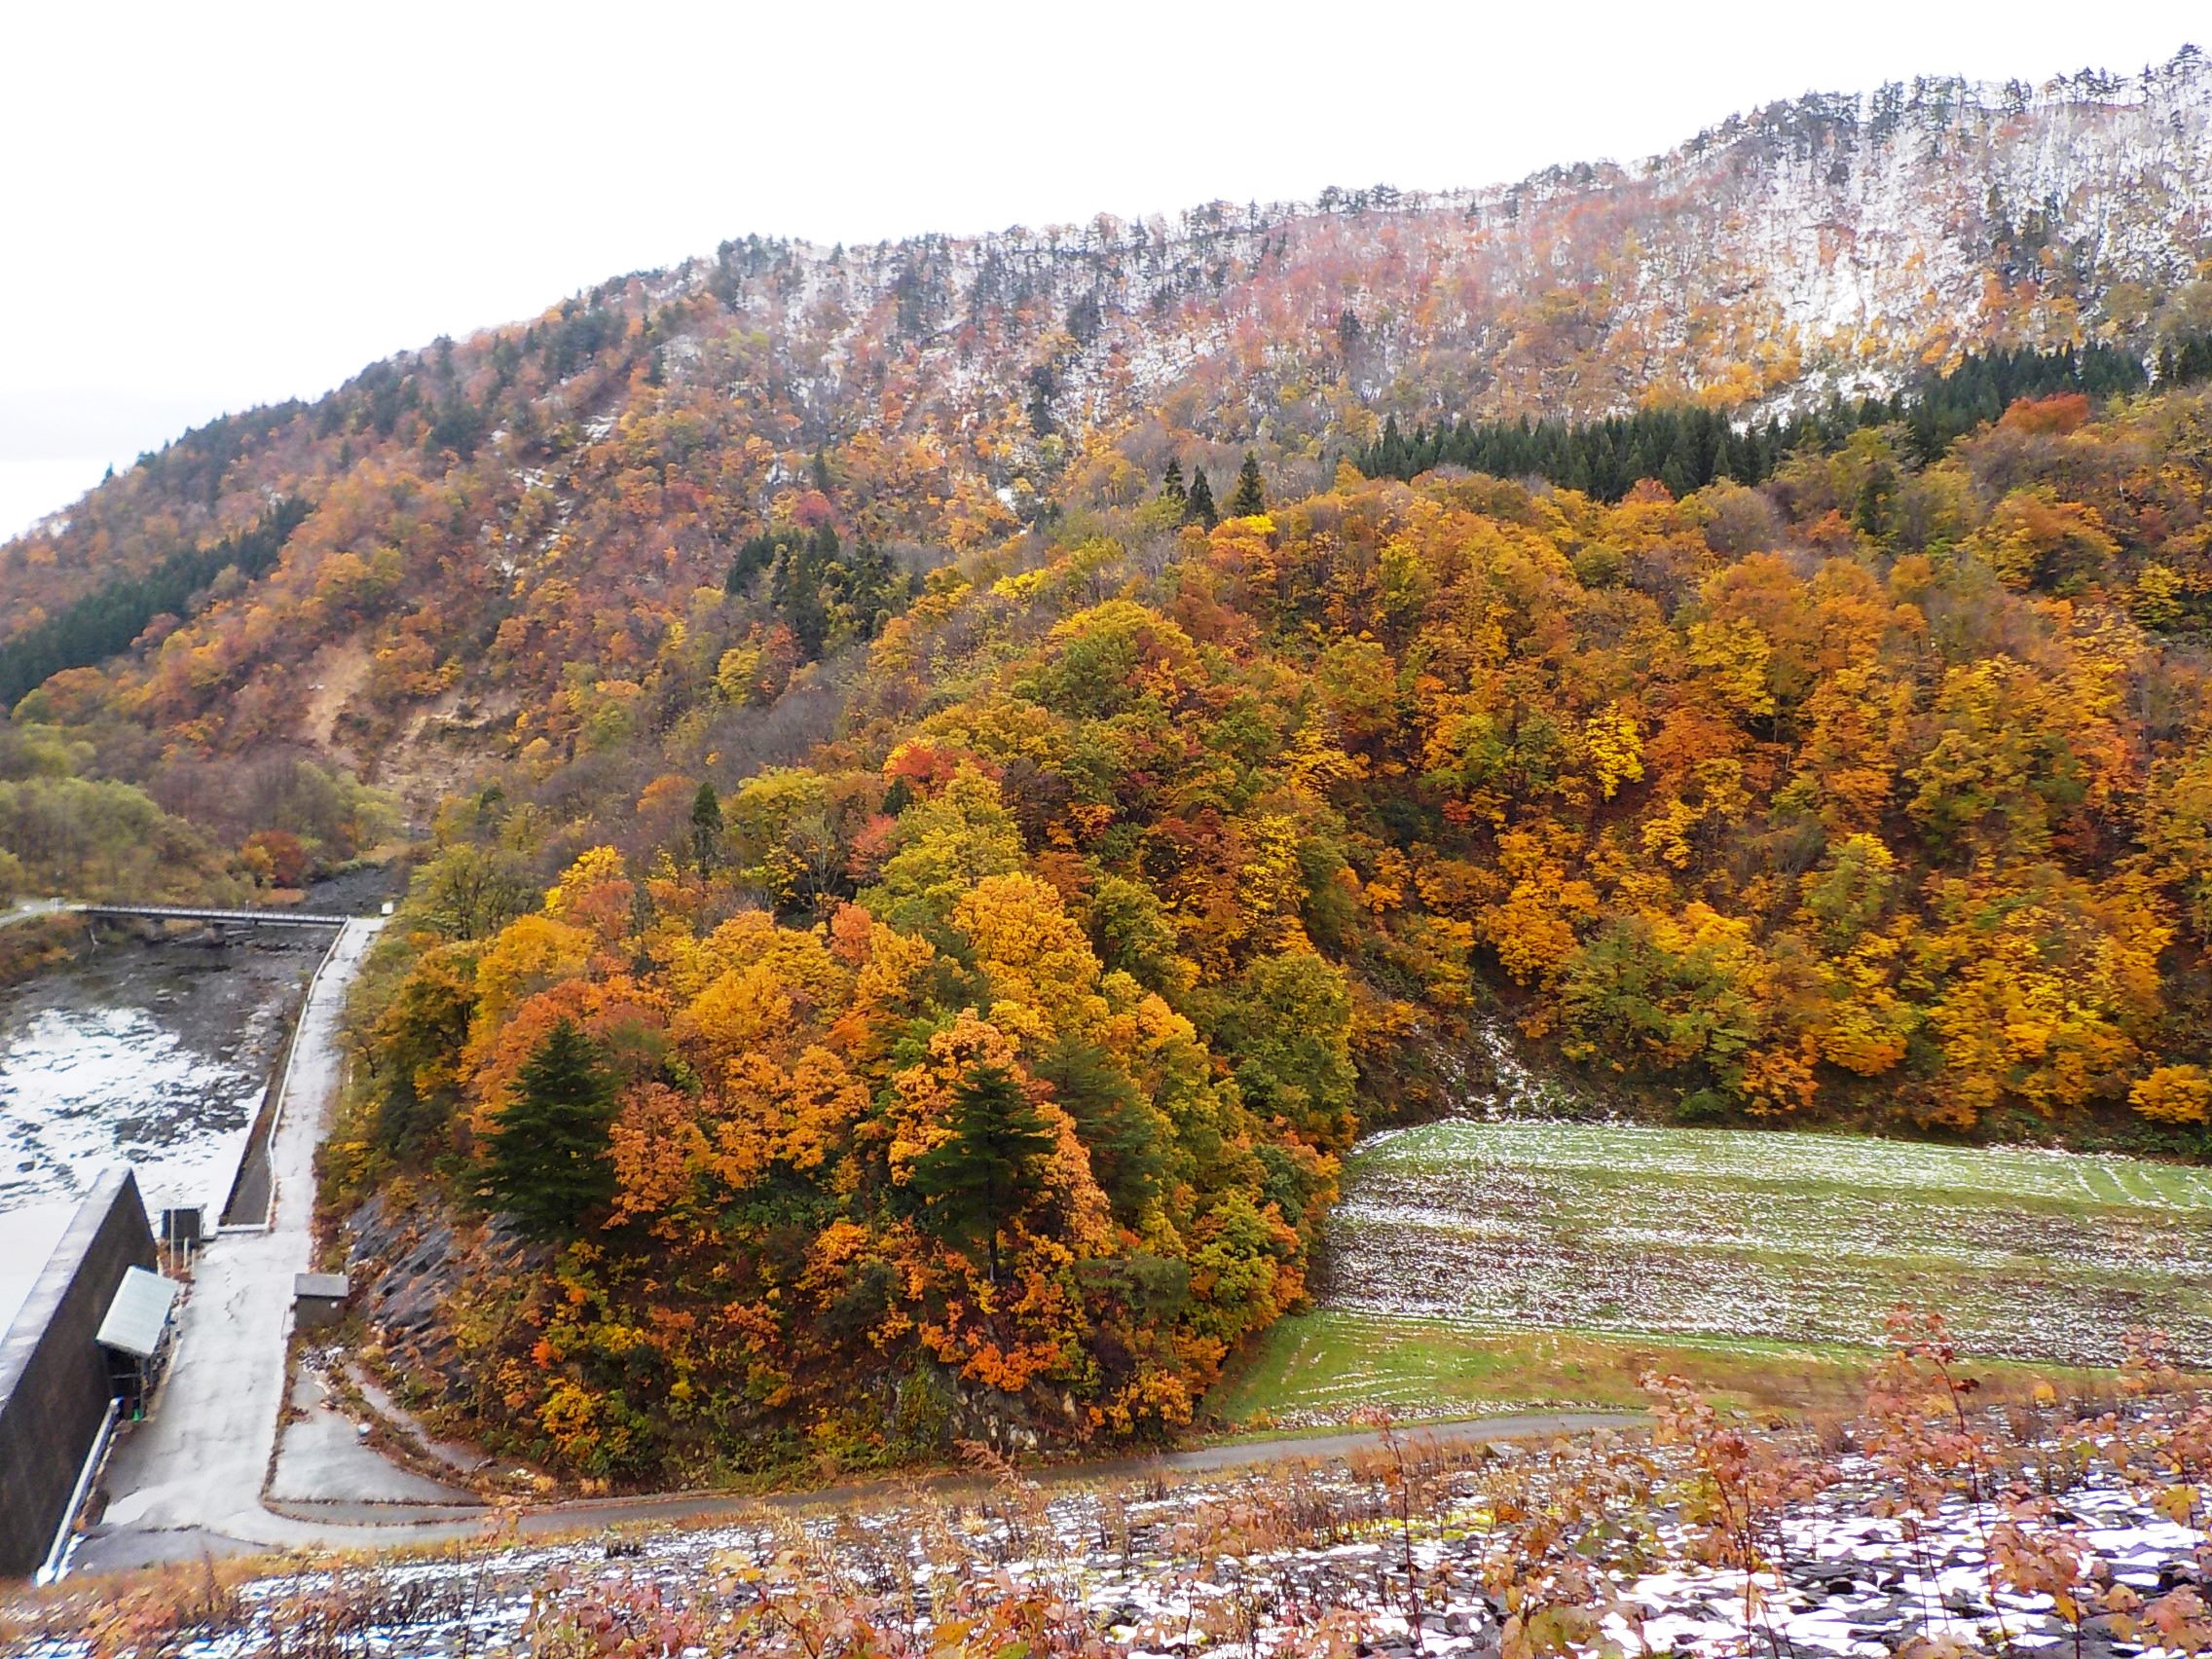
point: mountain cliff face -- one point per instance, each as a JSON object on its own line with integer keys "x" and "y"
{"x": 1831, "y": 243}
{"x": 607, "y": 457}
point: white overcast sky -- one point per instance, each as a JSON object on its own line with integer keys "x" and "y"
{"x": 209, "y": 206}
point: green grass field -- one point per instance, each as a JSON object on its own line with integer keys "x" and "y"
{"x": 1473, "y": 1266}
{"x": 1318, "y": 1367}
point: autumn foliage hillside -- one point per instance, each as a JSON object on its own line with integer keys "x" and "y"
{"x": 1877, "y": 794}
{"x": 486, "y": 521}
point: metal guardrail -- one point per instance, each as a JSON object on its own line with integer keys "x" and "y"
{"x": 186, "y": 913}
{"x": 58, "y": 1554}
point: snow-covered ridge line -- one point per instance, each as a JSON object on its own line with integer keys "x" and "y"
{"x": 1817, "y": 122}
{"x": 1841, "y": 240}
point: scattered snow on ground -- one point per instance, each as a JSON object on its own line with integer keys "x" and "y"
{"x": 27, "y": 1236}
{"x": 1253, "y": 1565}
{"x": 2030, "y": 1254}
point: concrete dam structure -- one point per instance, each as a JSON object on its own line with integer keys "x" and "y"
{"x": 56, "y": 1381}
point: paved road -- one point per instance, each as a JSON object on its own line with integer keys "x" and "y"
{"x": 200, "y": 1458}
{"x": 702, "y": 1507}
{"x": 1522, "y": 1425}
{"x": 368, "y": 1526}
{"x": 26, "y": 908}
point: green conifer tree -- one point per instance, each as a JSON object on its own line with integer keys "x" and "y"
{"x": 1199, "y": 507}
{"x": 978, "y": 1180}
{"x": 706, "y": 827}
{"x": 1111, "y": 1121}
{"x": 1171, "y": 482}
{"x": 1870, "y": 513}
{"x": 1390, "y": 451}
{"x": 800, "y": 566}
{"x": 1251, "y": 496}
{"x": 547, "y": 1158}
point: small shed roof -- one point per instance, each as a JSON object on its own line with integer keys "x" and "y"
{"x": 336, "y": 1286}
{"x": 140, "y": 1314}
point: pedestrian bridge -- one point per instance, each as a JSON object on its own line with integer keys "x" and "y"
{"x": 190, "y": 913}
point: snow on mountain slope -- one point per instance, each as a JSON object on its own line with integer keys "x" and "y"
{"x": 1846, "y": 238}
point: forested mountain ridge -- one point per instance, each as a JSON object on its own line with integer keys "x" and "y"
{"x": 958, "y": 388}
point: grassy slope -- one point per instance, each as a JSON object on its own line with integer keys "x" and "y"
{"x": 1316, "y": 1366}
{"x": 1446, "y": 1226}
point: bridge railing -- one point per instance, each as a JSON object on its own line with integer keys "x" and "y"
{"x": 191, "y": 914}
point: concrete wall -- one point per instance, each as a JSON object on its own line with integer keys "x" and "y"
{"x": 54, "y": 1387}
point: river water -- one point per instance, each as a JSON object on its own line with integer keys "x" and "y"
{"x": 152, "y": 1054}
